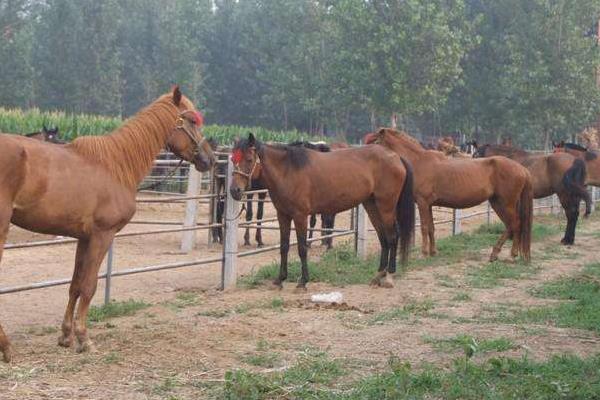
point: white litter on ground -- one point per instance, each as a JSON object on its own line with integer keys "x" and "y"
{"x": 333, "y": 297}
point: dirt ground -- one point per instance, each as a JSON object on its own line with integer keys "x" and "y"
{"x": 183, "y": 344}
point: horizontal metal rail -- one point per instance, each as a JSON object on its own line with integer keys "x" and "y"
{"x": 66, "y": 281}
{"x": 292, "y": 243}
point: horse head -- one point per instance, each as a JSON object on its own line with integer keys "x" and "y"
{"x": 246, "y": 165}
{"x": 186, "y": 140}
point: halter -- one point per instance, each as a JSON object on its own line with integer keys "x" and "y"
{"x": 180, "y": 124}
{"x": 237, "y": 170}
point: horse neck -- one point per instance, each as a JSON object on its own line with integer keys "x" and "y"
{"x": 129, "y": 152}
{"x": 272, "y": 166}
{"x": 405, "y": 148}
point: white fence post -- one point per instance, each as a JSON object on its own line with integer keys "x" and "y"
{"x": 230, "y": 245}
{"x": 456, "y": 228}
{"x": 593, "y": 194}
{"x": 361, "y": 233}
{"x": 109, "y": 267}
{"x": 188, "y": 239}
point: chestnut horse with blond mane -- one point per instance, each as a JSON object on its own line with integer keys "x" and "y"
{"x": 463, "y": 183}
{"x": 86, "y": 190}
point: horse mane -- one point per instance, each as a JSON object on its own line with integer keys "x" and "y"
{"x": 411, "y": 141}
{"x": 297, "y": 156}
{"x": 507, "y": 151}
{"x": 319, "y": 146}
{"x": 575, "y": 146}
{"x": 129, "y": 152}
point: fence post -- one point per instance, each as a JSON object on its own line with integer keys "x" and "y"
{"x": 456, "y": 221}
{"x": 489, "y": 212}
{"x": 109, "y": 267}
{"x": 230, "y": 245}
{"x": 593, "y": 194}
{"x": 212, "y": 204}
{"x": 188, "y": 239}
{"x": 553, "y": 204}
{"x": 361, "y": 233}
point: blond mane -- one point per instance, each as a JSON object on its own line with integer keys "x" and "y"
{"x": 129, "y": 152}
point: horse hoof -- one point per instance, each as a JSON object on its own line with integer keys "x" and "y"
{"x": 65, "y": 341}
{"x": 375, "y": 283}
{"x": 277, "y": 284}
{"x": 86, "y": 347}
{"x": 388, "y": 282}
{"x": 7, "y": 355}
{"x": 493, "y": 258}
{"x": 260, "y": 244}
{"x": 300, "y": 288}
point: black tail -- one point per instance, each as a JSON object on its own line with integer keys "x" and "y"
{"x": 405, "y": 213}
{"x": 574, "y": 183}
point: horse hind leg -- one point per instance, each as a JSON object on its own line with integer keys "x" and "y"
{"x": 505, "y": 218}
{"x": 375, "y": 218}
{"x": 571, "y": 207}
{"x": 5, "y": 216}
{"x": 66, "y": 338}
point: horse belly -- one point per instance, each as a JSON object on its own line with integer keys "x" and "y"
{"x": 464, "y": 198}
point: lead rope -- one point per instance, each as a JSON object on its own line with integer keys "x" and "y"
{"x": 157, "y": 184}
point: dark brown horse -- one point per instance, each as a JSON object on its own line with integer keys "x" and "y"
{"x": 562, "y": 174}
{"x": 441, "y": 181}
{"x": 47, "y": 135}
{"x": 86, "y": 190}
{"x": 302, "y": 182}
{"x": 590, "y": 157}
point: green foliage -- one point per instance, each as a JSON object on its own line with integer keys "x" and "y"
{"x": 73, "y": 125}
{"x": 581, "y": 311}
{"x": 462, "y": 341}
{"x": 115, "y": 309}
{"x": 303, "y": 380}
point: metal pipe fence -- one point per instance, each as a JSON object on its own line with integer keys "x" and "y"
{"x": 358, "y": 228}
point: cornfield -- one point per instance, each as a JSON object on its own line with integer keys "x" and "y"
{"x": 73, "y": 125}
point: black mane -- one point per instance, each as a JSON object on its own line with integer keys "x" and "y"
{"x": 322, "y": 147}
{"x": 575, "y": 146}
{"x": 297, "y": 156}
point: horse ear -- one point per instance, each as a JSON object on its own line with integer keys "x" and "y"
{"x": 176, "y": 95}
{"x": 251, "y": 139}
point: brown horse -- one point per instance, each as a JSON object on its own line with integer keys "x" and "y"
{"x": 562, "y": 174}
{"x": 590, "y": 157}
{"x": 302, "y": 182}
{"x": 86, "y": 190}
{"x": 440, "y": 181}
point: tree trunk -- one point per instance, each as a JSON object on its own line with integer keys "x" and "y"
{"x": 373, "y": 120}
{"x": 394, "y": 121}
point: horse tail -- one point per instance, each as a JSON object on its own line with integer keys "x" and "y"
{"x": 574, "y": 181}
{"x": 526, "y": 217}
{"x": 405, "y": 213}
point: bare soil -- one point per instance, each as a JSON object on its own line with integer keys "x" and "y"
{"x": 177, "y": 349}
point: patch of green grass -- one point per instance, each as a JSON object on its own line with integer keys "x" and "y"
{"x": 461, "y": 296}
{"x": 111, "y": 358}
{"x": 265, "y": 360}
{"x": 459, "y": 342}
{"x": 115, "y": 309}
{"x": 338, "y": 266}
{"x": 491, "y": 274}
{"x": 277, "y": 303}
{"x": 167, "y": 385}
{"x": 446, "y": 281}
{"x": 214, "y": 313}
{"x": 182, "y": 300}
{"x": 497, "y": 378}
{"x": 417, "y": 308}
{"x": 582, "y": 308}
{"x": 312, "y": 372}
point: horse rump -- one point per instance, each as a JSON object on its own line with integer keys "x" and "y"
{"x": 574, "y": 182}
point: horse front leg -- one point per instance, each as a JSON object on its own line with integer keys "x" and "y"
{"x": 66, "y": 339}
{"x": 88, "y": 280}
{"x": 249, "y": 215}
{"x": 5, "y": 216}
{"x": 301, "y": 227}
{"x": 424, "y": 216}
{"x": 284, "y": 238}
{"x": 260, "y": 210}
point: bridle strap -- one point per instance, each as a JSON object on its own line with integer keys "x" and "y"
{"x": 179, "y": 124}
